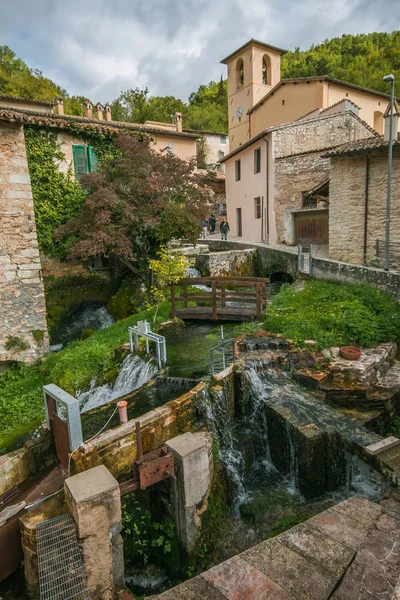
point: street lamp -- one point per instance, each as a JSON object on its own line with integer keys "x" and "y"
{"x": 389, "y": 79}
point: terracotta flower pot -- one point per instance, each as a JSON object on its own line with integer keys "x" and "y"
{"x": 351, "y": 352}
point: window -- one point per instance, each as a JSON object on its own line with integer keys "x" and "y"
{"x": 283, "y": 103}
{"x": 239, "y": 73}
{"x": 257, "y": 207}
{"x": 220, "y": 154}
{"x": 237, "y": 170}
{"x": 85, "y": 160}
{"x": 170, "y": 146}
{"x": 266, "y": 70}
{"x": 222, "y": 139}
{"x": 257, "y": 160}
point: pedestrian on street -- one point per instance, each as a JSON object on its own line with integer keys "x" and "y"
{"x": 224, "y": 228}
{"x": 212, "y": 222}
{"x": 203, "y": 223}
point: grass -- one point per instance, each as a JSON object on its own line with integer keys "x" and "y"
{"x": 21, "y": 397}
{"x": 334, "y": 315}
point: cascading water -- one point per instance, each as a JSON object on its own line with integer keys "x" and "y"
{"x": 134, "y": 372}
{"x": 87, "y": 317}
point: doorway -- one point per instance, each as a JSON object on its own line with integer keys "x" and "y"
{"x": 239, "y": 222}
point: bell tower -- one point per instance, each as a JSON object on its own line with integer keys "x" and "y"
{"x": 253, "y": 70}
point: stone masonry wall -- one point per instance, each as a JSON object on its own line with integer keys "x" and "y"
{"x": 229, "y": 263}
{"x": 22, "y": 302}
{"x": 347, "y": 206}
{"x": 299, "y": 165}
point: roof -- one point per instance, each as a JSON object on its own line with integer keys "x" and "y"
{"x": 200, "y": 131}
{"x": 317, "y": 78}
{"x": 29, "y": 117}
{"x": 252, "y": 41}
{"x": 366, "y": 146}
{"x": 26, "y": 100}
{"x": 263, "y": 133}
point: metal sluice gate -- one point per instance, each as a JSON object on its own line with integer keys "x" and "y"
{"x": 61, "y": 572}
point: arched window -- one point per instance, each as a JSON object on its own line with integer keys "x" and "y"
{"x": 266, "y": 70}
{"x": 239, "y": 72}
{"x": 378, "y": 122}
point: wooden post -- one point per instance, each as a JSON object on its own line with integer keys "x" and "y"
{"x": 258, "y": 301}
{"x": 214, "y": 300}
{"x": 185, "y": 295}
{"x": 173, "y": 308}
{"x": 222, "y": 295}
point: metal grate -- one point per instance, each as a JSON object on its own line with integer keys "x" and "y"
{"x": 61, "y": 572}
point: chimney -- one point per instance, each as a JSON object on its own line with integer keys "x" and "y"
{"x": 59, "y": 105}
{"x": 88, "y": 110}
{"x": 386, "y": 117}
{"x": 178, "y": 122}
{"x": 99, "y": 109}
{"x": 108, "y": 113}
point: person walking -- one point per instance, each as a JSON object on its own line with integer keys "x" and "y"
{"x": 212, "y": 222}
{"x": 203, "y": 223}
{"x": 224, "y": 228}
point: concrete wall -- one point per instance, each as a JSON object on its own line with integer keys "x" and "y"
{"x": 347, "y": 205}
{"x": 22, "y": 302}
{"x": 184, "y": 148}
{"x": 347, "y": 273}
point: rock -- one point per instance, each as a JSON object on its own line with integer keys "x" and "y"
{"x": 335, "y": 352}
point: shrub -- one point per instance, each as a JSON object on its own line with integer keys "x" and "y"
{"x": 334, "y": 314}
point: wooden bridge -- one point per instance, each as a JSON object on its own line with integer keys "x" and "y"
{"x": 228, "y": 299}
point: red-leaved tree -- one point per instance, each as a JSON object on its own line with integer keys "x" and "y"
{"x": 136, "y": 203}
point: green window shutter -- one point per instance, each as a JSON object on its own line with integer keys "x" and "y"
{"x": 92, "y": 159}
{"x": 80, "y": 161}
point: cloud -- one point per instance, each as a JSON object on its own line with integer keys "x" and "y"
{"x": 170, "y": 46}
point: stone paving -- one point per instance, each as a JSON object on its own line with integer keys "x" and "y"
{"x": 348, "y": 552}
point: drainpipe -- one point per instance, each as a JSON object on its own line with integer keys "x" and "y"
{"x": 265, "y": 219}
{"x": 366, "y": 208}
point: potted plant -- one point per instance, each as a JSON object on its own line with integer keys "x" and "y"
{"x": 350, "y": 352}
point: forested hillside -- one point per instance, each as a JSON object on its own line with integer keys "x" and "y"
{"x": 361, "y": 59}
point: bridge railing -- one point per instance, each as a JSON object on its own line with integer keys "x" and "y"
{"x": 221, "y": 293}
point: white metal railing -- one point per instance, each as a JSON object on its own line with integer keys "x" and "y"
{"x": 142, "y": 329}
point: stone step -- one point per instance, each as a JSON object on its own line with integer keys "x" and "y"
{"x": 382, "y": 445}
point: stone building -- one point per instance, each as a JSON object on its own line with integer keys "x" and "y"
{"x": 273, "y": 180}
{"x": 23, "y": 327}
{"x": 357, "y": 202}
{"x": 258, "y": 98}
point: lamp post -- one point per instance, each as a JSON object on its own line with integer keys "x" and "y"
{"x": 389, "y": 79}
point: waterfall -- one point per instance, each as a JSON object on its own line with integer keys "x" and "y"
{"x": 133, "y": 373}
{"x": 86, "y": 317}
{"x": 193, "y": 272}
{"x": 213, "y": 408}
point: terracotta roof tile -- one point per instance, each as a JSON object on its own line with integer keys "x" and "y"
{"x": 26, "y": 100}
{"x": 64, "y": 122}
{"x": 373, "y": 144}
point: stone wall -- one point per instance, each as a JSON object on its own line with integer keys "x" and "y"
{"x": 23, "y": 309}
{"x": 317, "y": 134}
{"x": 341, "y": 272}
{"x": 347, "y": 206}
{"x": 229, "y": 263}
{"x": 299, "y": 165}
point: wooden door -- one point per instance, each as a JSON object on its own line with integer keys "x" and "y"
{"x": 311, "y": 228}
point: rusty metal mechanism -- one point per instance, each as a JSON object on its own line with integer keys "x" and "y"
{"x": 149, "y": 468}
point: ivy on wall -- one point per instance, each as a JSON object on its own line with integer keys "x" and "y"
{"x": 57, "y": 196}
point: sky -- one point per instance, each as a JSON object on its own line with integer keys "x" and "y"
{"x": 98, "y": 49}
